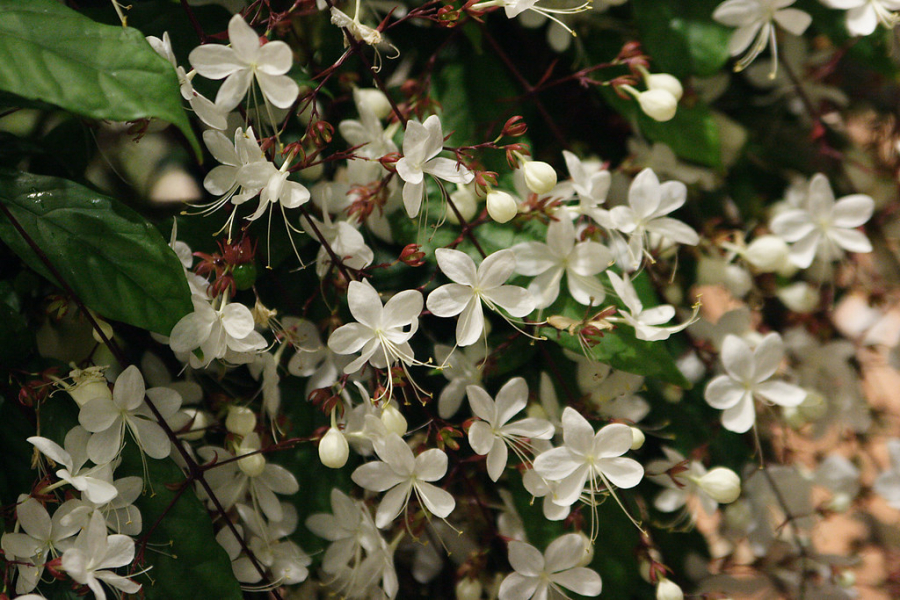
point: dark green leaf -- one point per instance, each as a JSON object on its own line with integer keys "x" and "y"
{"x": 116, "y": 262}
{"x": 681, "y": 36}
{"x": 54, "y": 54}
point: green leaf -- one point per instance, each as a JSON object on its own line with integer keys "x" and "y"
{"x": 191, "y": 564}
{"x": 116, "y": 262}
{"x": 681, "y": 37}
{"x": 54, "y": 54}
{"x": 619, "y": 348}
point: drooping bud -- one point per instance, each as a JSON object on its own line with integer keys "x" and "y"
{"x": 252, "y": 465}
{"x": 240, "y": 420}
{"x": 468, "y": 589}
{"x": 721, "y": 484}
{"x": 199, "y": 421}
{"x": 465, "y": 202}
{"x": 540, "y": 177}
{"x": 514, "y": 127}
{"x": 667, "y": 589}
{"x": 333, "y": 449}
{"x": 637, "y": 438}
{"x": 501, "y": 206}
{"x": 393, "y": 420}
{"x": 658, "y": 104}
{"x": 768, "y": 253}
{"x": 374, "y": 100}
{"x": 666, "y": 83}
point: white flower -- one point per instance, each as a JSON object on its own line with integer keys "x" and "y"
{"x": 94, "y": 552}
{"x": 222, "y": 333}
{"x": 747, "y": 375}
{"x": 41, "y": 537}
{"x": 243, "y": 156}
{"x": 547, "y": 263}
{"x": 824, "y": 228}
{"x": 648, "y": 202}
{"x": 648, "y": 324}
{"x": 755, "y": 21}
{"x": 242, "y": 62}
{"x": 401, "y": 474}
{"x": 587, "y": 457}
{"x": 472, "y": 286}
{"x": 667, "y": 589}
{"x": 345, "y": 241}
{"x": 95, "y": 482}
{"x": 421, "y": 145}
{"x": 350, "y": 529}
{"x": 863, "y": 16}
{"x": 108, "y": 419}
{"x": 382, "y": 333}
{"x": 887, "y": 485}
{"x": 590, "y": 182}
{"x": 542, "y": 576}
{"x": 679, "y": 476}
{"x": 493, "y": 433}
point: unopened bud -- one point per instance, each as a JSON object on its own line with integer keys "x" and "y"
{"x": 240, "y": 420}
{"x": 465, "y": 202}
{"x": 666, "y": 83}
{"x": 374, "y": 100}
{"x": 799, "y": 297}
{"x": 501, "y": 206}
{"x": 199, "y": 421}
{"x": 89, "y": 384}
{"x": 393, "y": 420}
{"x": 840, "y": 502}
{"x": 637, "y": 438}
{"x": 322, "y": 133}
{"x": 412, "y": 255}
{"x": 252, "y": 465}
{"x": 845, "y": 579}
{"x": 657, "y": 104}
{"x": 333, "y": 449}
{"x": 667, "y": 589}
{"x": 540, "y": 177}
{"x": 721, "y": 484}
{"x": 768, "y": 253}
{"x": 468, "y": 589}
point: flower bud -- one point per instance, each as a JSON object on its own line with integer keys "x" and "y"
{"x": 393, "y": 420}
{"x": 666, "y": 83}
{"x": 333, "y": 449}
{"x": 540, "y": 177}
{"x": 374, "y": 100}
{"x": 468, "y": 589}
{"x": 89, "y": 384}
{"x": 840, "y": 502}
{"x": 667, "y": 589}
{"x": 637, "y": 438}
{"x": 768, "y": 253}
{"x": 721, "y": 484}
{"x": 465, "y": 202}
{"x": 412, "y": 255}
{"x": 252, "y": 465}
{"x": 658, "y": 104}
{"x": 799, "y": 297}
{"x": 199, "y": 420}
{"x": 501, "y": 206}
{"x": 846, "y": 579}
{"x": 240, "y": 420}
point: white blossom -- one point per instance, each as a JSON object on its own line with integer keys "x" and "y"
{"x": 540, "y": 576}
{"x": 401, "y": 475}
{"x": 747, "y": 377}
{"x": 648, "y": 324}
{"x": 243, "y": 61}
{"x": 88, "y": 561}
{"x": 421, "y": 145}
{"x": 863, "y": 16}
{"x": 471, "y": 287}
